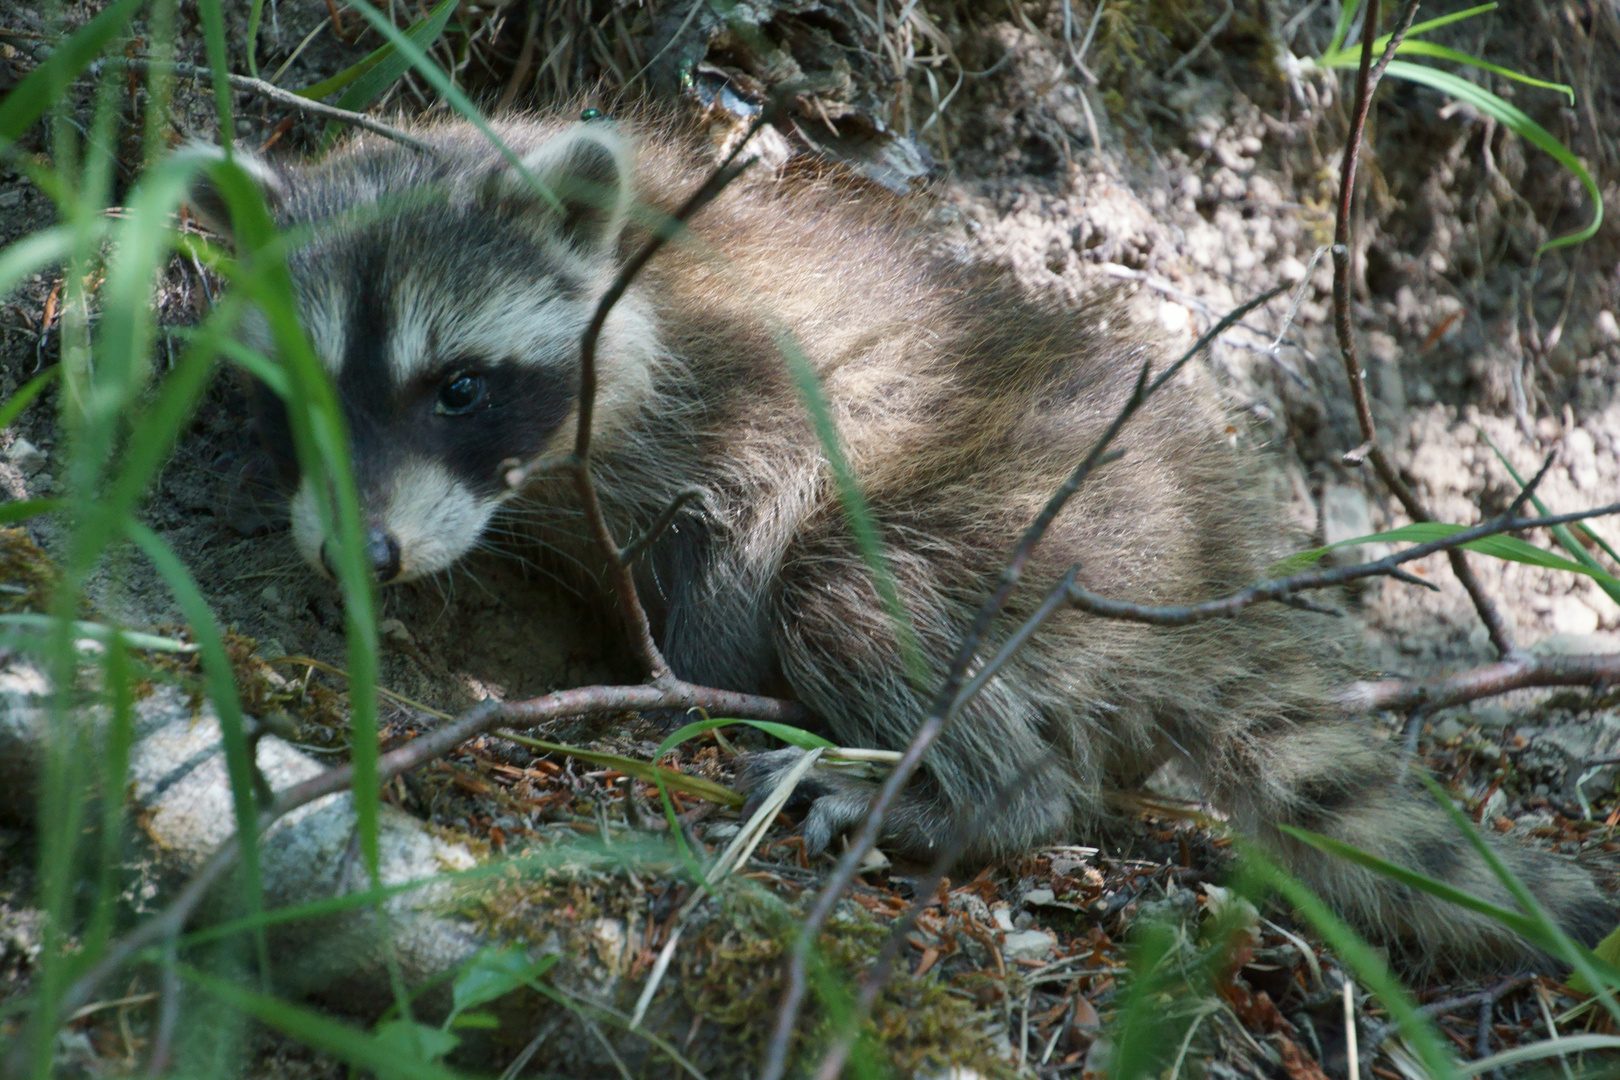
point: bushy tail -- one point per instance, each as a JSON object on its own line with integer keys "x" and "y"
{"x": 1334, "y": 778}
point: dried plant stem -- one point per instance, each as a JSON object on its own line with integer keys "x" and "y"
{"x": 1514, "y": 673}
{"x": 482, "y": 718}
{"x": 1366, "y": 82}
{"x": 1278, "y": 588}
{"x": 282, "y": 97}
{"x": 579, "y": 464}
{"x": 950, "y": 698}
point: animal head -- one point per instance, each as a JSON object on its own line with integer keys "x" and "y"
{"x": 446, "y": 293}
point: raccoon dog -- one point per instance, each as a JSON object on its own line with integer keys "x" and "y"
{"x": 447, "y": 298}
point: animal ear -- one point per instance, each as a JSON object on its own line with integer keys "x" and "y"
{"x": 210, "y": 204}
{"x": 586, "y": 171}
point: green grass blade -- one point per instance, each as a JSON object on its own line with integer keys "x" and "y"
{"x": 804, "y": 740}
{"x": 119, "y": 678}
{"x": 213, "y": 20}
{"x": 1522, "y": 925}
{"x": 1380, "y": 44}
{"x": 1368, "y": 965}
{"x": 1561, "y": 533}
{"x": 391, "y": 65}
{"x": 47, "y": 83}
{"x": 349, "y": 1045}
{"x": 1563, "y": 1044}
{"x": 38, "y": 250}
{"x": 23, "y": 509}
{"x": 142, "y": 239}
{"x": 1347, "y": 15}
{"x": 25, "y": 395}
{"x": 255, "y": 14}
{"x": 641, "y": 770}
{"x": 221, "y": 681}
{"x": 1441, "y": 52}
{"x": 1514, "y": 118}
{"x": 1564, "y": 949}
{"x": 354, "y": 71}
{"x": 1339, "y": 55}
{"x": 452, "y": 93}
{"x": 1510, "y": 548}
{"x": 862, "y": 525}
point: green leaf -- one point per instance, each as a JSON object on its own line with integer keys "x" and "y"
{"x": 1441, "y": 52}
{"x": 1514, "y": 118}
{"x": 389, "y": 64}
{"x": 641, "y": 770}
{"x": 1510, "y": 548}
{"x": 25, "y": 395}
{"x": 1368, "y": 965}
{"x": 483, "y": 1020}
{"x": 804, "y": 740}
{"x": 345, "y": 1043}
{"x": 494, "y": 973}
{"x": 47, "y": 83}
{"x": 408, "y": 1040}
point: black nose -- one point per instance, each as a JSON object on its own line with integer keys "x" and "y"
{"x": 381, "y": 548}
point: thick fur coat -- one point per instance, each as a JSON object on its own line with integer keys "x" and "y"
{"x": 447, "y": 298}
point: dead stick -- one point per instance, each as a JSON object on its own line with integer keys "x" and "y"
{"x": 1366, "y": 81}
{"x": 283, "y": 97}
{"x": 480, "y": 719}
{"x": 950, "y": 699}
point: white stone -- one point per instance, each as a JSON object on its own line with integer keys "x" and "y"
{"x": 1028, "y": 945}
{"x": 1571, "y": 615}
{"x": 26, "y": 456}
{"x": 1607, "y": 326}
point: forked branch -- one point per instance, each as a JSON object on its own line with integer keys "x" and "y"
{"x": 1366, "y": 82}
{"x": 952, "y": 696}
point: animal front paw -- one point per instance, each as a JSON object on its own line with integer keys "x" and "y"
{"x": 834, "y": 801}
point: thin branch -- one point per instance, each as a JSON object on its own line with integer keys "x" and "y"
{"x": 637, "y": 544}
{"x": 480, "y": 719}
{"x": 579, "y": 464}
{"x": 1489, "y": 995}
{"x": 1366, "y": 82}
{"x": 282, "y": 97}
{"x": 950, "y": 700}
{"x": 1515, "y": 673}
{"x": 878, "y": 972}
{"x": 1277, "y": 588}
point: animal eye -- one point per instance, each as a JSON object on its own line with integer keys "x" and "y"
{"x": 461, "y": 392}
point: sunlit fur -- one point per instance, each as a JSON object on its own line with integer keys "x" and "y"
{"x": 961, "y": 404}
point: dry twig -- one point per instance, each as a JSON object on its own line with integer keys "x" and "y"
{"x": 952, "y": 697}
{"x": 1366, "y": 82}
{"x": 282, "y": 97}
